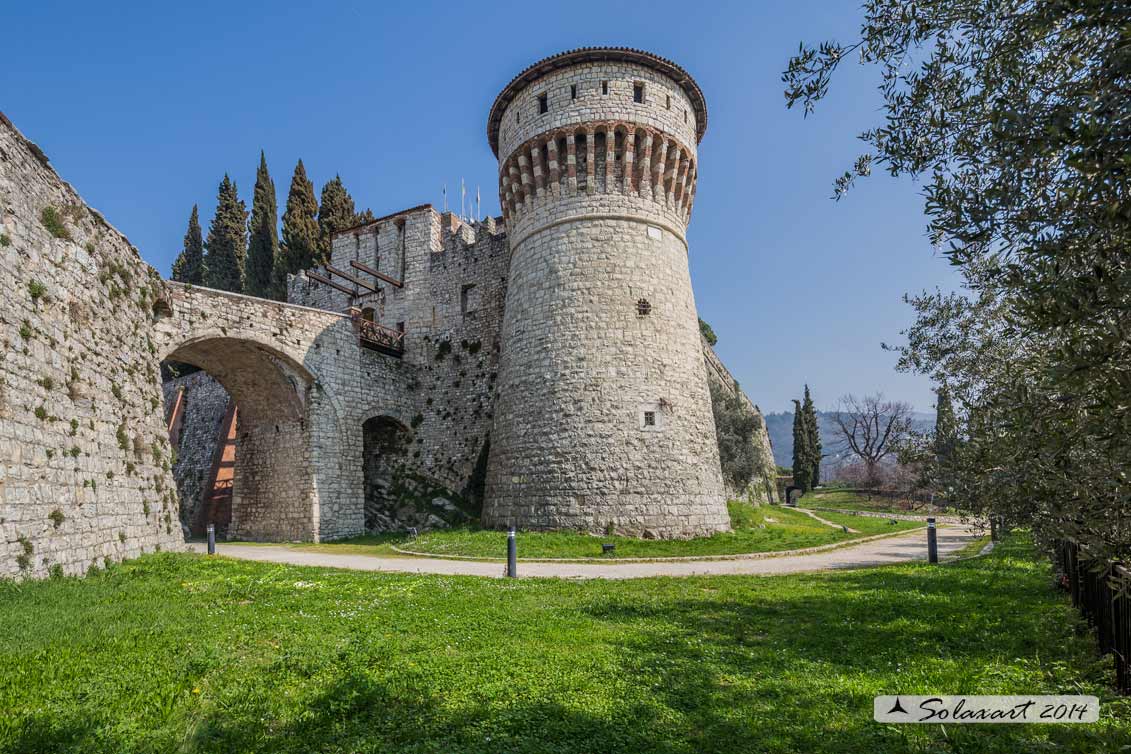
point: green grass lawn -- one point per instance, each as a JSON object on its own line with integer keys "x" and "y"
{"x": 181, "y": 653}
{"x": 852, "y": 500}
{"x": 756, "y": 529}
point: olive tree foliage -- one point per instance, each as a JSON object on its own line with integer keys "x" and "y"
{"x": 1015, "y": 116}
{"x": 736, "y": 425}
{"x": 1026, "y": 448}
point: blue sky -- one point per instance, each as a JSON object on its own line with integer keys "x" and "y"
{"x": 144, "y": 107}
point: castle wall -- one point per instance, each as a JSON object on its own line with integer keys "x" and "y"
{"x": 84, "y": 458}
{"x": 450, "y": 307}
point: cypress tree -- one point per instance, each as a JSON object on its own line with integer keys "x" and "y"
{"x": 335, "y": 212}
{"x": 802, "y": 460}
{"x": 813, "y": 438}
{"x": 189, "y": 265}
{"x": 263, "y": 244}
{"x": 227, "y": 241}
{"x": 946, "y": 425}
{"x": 299, "y": 249}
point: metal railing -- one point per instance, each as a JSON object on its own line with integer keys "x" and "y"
{"x": 1101, "y": 591}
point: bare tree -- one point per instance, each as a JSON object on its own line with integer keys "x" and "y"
{"x": 872, "y": 428}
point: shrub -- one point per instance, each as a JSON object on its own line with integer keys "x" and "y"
{"x": 708, "y": 333}
{"x": 47, "y": 383}
{"x": 40, "y": 413}
{"x": 123, "y": 437}
{"x": 25, "y": 330}
{"x": 735, "y": 425}
{"x": 52, "y": 220}
{"x": 5, "y": 239}
{"x": 55, "y": 571}
{"x": 57, "y": 518}
{"x": 36, "y": 290}
{"x": 23, "y": 560}
{"x": 122, "y": 537}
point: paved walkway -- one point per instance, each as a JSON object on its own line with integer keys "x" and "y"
{"x": 897, "y": 549}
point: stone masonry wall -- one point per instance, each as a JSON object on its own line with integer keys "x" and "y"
{"x": 85, "y": 473}
{"x": 450, "y": 307}
{"x": 604, "y": 417}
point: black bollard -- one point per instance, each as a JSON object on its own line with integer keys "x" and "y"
{"x": 212, "y": 539}
{"x": 512, "y": 555}
{"x": 932, "y": 542}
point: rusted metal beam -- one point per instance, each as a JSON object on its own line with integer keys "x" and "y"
{"x": 327, "y": 281}
{"x": 379, "y": 275}
{"x": 335, "y": 271}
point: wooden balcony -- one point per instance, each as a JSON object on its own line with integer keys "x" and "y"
{"x": 379, "y": 338}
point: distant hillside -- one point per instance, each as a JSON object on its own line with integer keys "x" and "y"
{"x": 780, "y": 427}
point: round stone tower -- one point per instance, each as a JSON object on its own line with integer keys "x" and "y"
{"x": 603, "y": 417}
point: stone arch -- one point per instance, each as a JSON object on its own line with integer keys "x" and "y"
{"x": 273, "y": 492}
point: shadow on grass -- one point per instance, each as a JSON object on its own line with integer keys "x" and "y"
{"x": 358, "y": 714}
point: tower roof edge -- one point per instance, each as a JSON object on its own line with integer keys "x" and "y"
{"x": 591, "y": 54}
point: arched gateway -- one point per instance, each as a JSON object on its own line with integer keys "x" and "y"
{"x": 295, "y": 374}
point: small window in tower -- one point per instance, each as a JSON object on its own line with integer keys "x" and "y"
{"x": 469, "y": 300}
{"x": 650, "y": 416}
{"x": 604, "y": 87}
{"x": 685, "y": 115}
{"x": 669, "y": 102}
{"x": 543, "y": 103}
{"x": 516, "y": 116}
{"x": 638, "y": 92}
{"x": 573, "y": 91}
{"x": 643, "y": 307}
{"x": 368, "y": 314}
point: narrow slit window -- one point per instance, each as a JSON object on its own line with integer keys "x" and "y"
{"x": 573, "y": 91}
{"x": 638, "y": 92}
{"x": 685, "y": 115}
{"x": 516, "y": 116}
{"x": 669, "y": 102}
{"x": 543, "y": 103}
{"x": 604, "y": 87}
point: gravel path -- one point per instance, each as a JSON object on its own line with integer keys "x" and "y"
{"x": 897, "y": 549}
{"x": 825, "y": 521}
